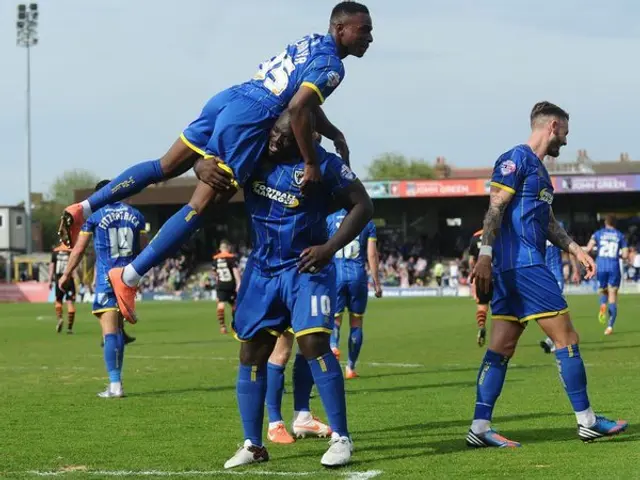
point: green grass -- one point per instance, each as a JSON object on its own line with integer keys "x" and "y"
{"x": 406, "y": 421}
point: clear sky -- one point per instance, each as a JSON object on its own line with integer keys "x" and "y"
{"x": 115, "y": 81}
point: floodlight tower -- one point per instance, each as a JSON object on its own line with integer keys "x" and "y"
{"x": 27, "y": 36}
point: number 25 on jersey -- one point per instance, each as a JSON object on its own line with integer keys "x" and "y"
{"x": 275, "y": 73}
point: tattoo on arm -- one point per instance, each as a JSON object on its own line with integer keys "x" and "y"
{"x": 498, "y": 201}
{"x": 560, "y": 238}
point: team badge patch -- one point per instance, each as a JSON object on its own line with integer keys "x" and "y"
{"x": 347, "y": 173}
{"x": 333, "y": 79}
{"x": 507, "y": 167}
{"x": 298, "y": 176}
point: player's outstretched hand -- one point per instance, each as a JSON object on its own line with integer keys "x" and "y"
{"x": 311, "y": 178}
{"x": 378, "y": 290}
{"x": 481, "y": 274}
{"x": 340, "y": 144}
{"x": 210, "y": 172}
{"x": 587, "y": 263}
{"x": 314, "y": 259}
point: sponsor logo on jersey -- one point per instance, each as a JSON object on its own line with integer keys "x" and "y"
{"x": 347, "y": 173}
{"x": 287, "y": 199}
{"x": 546, "y": 196}
{"x": 333, "y": 79}
{"x": 507, "y": 168}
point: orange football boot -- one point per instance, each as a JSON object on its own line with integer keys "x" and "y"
{"x": 125, "y": 295}
{"x": 70, "y": 224}
{"x": 279, "y": 434}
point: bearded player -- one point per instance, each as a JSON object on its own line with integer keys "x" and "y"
{"x": 512, "y": 256}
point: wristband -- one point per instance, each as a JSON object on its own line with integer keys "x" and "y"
{"x": 486, "y": 251}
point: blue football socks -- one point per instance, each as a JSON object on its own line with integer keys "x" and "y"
{"x": 573, "y": 376}
{"x": 613, "y": 313}
{"x": 251, "y": 390}
{"x": 355, "y": 344}
{"x": 177, "y": 230}
{"x": 489, "y": 385}
{"x": 275, "y": 388}
{"x": 129, "y": 182}
{"x": 327, "y": 375}
{"x": 302, "y": 384}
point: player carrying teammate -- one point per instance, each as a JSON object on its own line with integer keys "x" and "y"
{"x": 116, "y": 230}
{"x": 59, "y": 261}
{"x": 227, "y": 273}
{"x": 233, "y": 127}
{"x": 609, "y": 244}
{"x": 516, "y": 226}
{"x": 352, "y": 290}
{"x": 482, "y": 298}
{"x": 289, "y": 281}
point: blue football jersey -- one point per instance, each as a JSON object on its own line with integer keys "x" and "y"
{"x": 284, "y": 222}
{"x": 521, "y": 241}
{"x": 312, "y": 61}
{"x": 351, "y": 260}
{"x": 116, "y": 232}
{"x": 609, "y": 243}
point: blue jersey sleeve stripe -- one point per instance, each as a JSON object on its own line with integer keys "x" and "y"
{"x": 503, "y": 187}
{"x": 315, "y": 89}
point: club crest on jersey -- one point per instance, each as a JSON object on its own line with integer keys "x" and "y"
{"x": 546, "y": 196}
{"x": 347, "y": 173}
{"x": 507, "y": 167}
{"x": 333, "y": 79}
{"x": 297, "y": 177}
{"x": 287, "y": 199}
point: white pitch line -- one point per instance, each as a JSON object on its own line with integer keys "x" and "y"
{"x": 366, "y": 475}
{"x": 230, "y": 359}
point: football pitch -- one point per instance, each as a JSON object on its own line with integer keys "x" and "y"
{"x": 408, "y": 412}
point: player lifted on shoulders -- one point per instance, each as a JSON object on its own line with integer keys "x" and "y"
{"x": 352, "y": 290}
{"x": 516, "y": 227}
{"x": 553, "y": 259}
{"x": 233, "y": 127}
{"x": 116, "y": 231}
{"x": 59, "y": 262}
{"x": 289, "y": 281}
{"x": 482, "y": 298}
{"x": 609, "y": 245}
{"x": 227, "y": 273}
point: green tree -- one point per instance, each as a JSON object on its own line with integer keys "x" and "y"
{"x": 393, "y": 166}
{"x": 62, "y": 188}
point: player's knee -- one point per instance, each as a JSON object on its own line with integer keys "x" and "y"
{"x": 355, "y": 321}
{"x": 258, "y": 349}
{"x": 314, "y": 345}
{"x": 282, "y": 351}
{"x": 71, "y": 307}
{"x": 178, "y": 159}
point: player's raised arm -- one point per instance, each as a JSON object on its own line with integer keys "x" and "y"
{"x": 301, "y": 108}
{"x": 328, "y": 130}
{"x": 561, "y": 239}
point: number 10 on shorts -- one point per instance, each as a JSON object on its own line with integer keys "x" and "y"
{"x": 325, "y": 305}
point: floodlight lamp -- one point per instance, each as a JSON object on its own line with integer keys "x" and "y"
{"x": 20, "y": 24}
{"x": 22, "y": 15}
{"x": 34, "y": 41}
{"x": 22, "y": 7}
{"x": 34, "y": 15}
{"x": 33, "y": 7}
